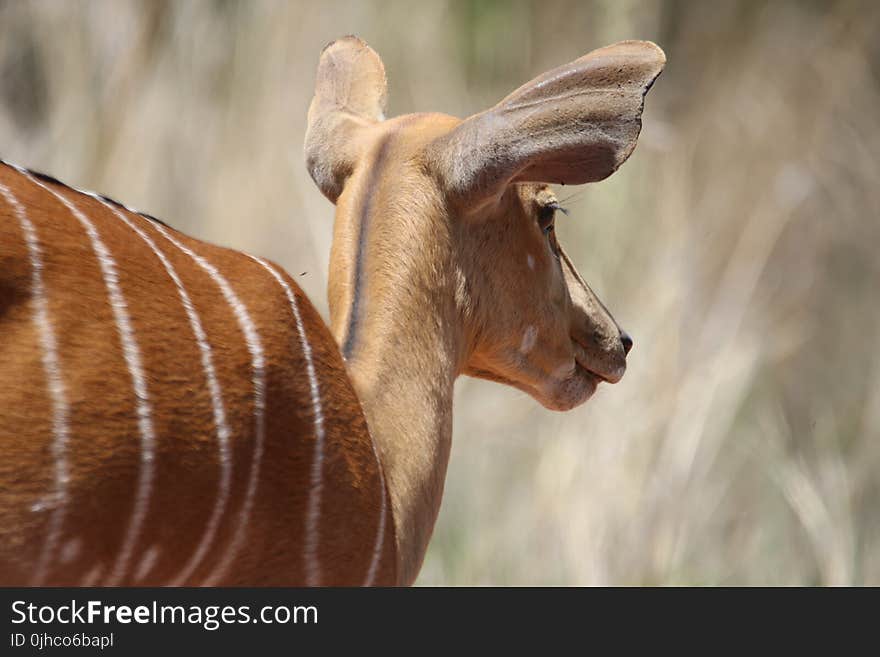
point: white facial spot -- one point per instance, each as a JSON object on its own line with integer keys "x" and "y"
{"x": 147, "y": 563}
{"x": 70, "y": 551}
{"x": 530, "y": 260}
{"x": 528, "y": 340}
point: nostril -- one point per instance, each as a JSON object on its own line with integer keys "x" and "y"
{"x": 627, "y": 341}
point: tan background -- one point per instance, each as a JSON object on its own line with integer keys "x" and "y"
{"x": 738, "y": 247}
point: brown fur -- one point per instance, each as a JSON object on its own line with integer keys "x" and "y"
{"x": 440, "y": 266}
{"x": 104, "y": 448}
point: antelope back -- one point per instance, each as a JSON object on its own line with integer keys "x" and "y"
{"x": 171, "y": 412}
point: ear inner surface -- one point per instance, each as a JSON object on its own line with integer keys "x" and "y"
{"x": 574, "y": 124}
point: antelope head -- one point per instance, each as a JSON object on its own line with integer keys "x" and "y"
{"x": 464, "y": 208}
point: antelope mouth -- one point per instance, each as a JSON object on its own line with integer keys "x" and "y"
{"x": 583, "y": 370}
{"x": 582, "y": 365}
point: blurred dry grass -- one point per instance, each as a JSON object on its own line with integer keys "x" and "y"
{"x": 738, "y": 247}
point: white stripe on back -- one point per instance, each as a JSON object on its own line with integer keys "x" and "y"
{"x": 131, "y": 354}
{"x": 313, "y": 510}
{"x": 223, "y": 431}
{"x": 313, "y": 514}
{"x": 91, "y": 578}
{"x": 255, "y": 349}
{"x": 55, "y": 384}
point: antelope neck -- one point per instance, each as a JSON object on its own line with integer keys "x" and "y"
{"x": 405, "y": 359}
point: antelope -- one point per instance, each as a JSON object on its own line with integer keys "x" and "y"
{"x": 176, "y": 413}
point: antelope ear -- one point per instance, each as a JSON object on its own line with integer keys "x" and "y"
{"x": 350, "y": 94}
{"x": 575, "y": 124}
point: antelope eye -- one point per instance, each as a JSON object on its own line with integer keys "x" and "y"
{"x": 546, "y": 215}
